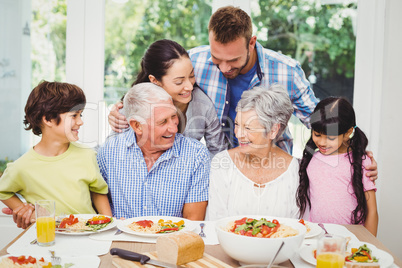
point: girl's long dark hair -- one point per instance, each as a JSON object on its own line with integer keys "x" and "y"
{"x": 335, "y": 116}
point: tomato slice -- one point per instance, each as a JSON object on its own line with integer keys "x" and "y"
{"x": 68, "y": 221}
{"x": 31, "y": 259}
{"x": 168, "y": 230}
{"x": 23, "y": 260}
{"x": 249, "y": 220}
{"x": 366, "y": 253}
{"x": 99, "y": 220}
{"x": 241, "y": 221}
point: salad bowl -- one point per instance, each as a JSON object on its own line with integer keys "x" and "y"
{"x": 259, "y": 250}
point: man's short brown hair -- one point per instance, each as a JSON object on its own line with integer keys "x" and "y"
{"x": 50, "y": 99}
{"x": 229, "y": 23}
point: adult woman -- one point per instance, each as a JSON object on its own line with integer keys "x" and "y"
{"x": 167, "y": 64}
{"x": 257, "y": 177}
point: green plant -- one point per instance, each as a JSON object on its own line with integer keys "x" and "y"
{"x": 3, "y": 165}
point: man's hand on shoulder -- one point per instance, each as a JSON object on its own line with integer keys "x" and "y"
{"x": 116, "y": 120}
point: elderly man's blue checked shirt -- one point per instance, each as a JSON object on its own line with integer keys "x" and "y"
{"x": 272, "y": 68}
{"x": 179, "y": 176}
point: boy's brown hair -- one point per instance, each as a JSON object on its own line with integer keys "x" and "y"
{"x": 229, "y": 23}
{"x": 50, "y": 99}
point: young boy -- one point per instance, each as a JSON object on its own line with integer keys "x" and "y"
{"x": 55, "y": 168}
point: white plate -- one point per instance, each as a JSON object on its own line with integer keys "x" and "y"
{"x": 384, "y": 258}
{"x": 123, "y": 225}
{"x": 87, "y": 217}
{"x": 82, "y": 261}
{"x": 314, "y": 229}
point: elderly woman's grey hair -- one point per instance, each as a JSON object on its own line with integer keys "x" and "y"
{"x": 272, "y": 106}
{"x": 139, "y": 99}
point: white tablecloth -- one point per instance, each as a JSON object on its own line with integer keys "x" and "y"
{"x": 66, "y": 246}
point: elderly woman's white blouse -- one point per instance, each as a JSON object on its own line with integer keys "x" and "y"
{"x": 231, "y": 193}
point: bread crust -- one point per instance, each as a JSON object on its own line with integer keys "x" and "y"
{"x": 180, "y": 248}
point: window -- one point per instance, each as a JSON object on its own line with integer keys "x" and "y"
{"x": 132, "y": 26}
{"x": 321, "y": 36}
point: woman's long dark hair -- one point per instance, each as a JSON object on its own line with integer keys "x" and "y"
{"x": 335, "y": 116}
{"x": 158, "y": 58}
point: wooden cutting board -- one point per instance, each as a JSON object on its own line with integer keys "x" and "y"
{"x": 207, "y": 261}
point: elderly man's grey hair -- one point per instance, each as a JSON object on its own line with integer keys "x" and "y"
{"x": 139, "y": 99}
{"x": 272, "y": 106}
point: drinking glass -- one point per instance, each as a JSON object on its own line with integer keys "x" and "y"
{"x": 331, "y": 251}
{"x": 45, "y": 222}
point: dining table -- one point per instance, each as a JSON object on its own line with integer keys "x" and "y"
{"x": 216, "y": 251}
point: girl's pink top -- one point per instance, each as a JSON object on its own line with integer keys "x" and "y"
{"x": 331, "y": 192}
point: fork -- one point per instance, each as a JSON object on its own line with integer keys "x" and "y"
{"x": 202, "y": 234}
{"x": 55, "y": 259}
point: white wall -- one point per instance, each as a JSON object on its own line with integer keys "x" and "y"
{"x": 15, "y": 83}
{"x": 378, "y": 96}
{"x": 390, "y": 129}
{"x": 15, "y": 76}
{"x": 85, "y": 63}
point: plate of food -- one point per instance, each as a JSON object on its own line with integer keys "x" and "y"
{"x": 155, "y": 226}
{"x": 10, "y": 261}
{"x": 358, "y": 253}
{"x": 84, "y": 224}
{"x": 312, "y": 229}
{"x": 22, "y": 261}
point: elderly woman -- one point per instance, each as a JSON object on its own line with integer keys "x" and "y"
{"x": 256, "y": 177}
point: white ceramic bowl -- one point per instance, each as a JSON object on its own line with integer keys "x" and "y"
{"x": 255, "y": 250}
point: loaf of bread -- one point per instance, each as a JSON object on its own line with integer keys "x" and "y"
{"x": 180, "y": 248}
{"x": 361, "y": 265}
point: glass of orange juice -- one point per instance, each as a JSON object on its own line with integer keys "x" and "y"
{"x": 45, "y": 222}
{"x": 331, "y": 251}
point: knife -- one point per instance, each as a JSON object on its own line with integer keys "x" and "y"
{"x": 143, "y": 259}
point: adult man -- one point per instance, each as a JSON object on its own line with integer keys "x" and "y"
{"x": 235, "y": 62}
{"x": 150, "y": 169}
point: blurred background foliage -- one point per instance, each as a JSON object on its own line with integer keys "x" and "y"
{"x": 320, "y": 36}
{"x": 132, "y": 27}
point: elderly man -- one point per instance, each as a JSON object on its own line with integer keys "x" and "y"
{"x": 151, "y": 169}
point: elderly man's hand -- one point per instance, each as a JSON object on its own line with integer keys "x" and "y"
{"x": 24, "y": 215}
{"x": 116, "y": 120}
{"x": 372, "y": 169}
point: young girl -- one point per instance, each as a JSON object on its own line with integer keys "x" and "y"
{"x": 333, "y": 186}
